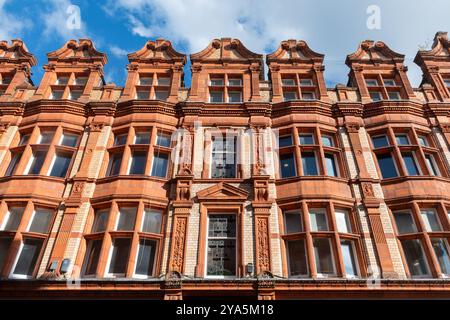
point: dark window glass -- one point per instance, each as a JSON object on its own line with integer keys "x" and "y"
{"x": 221, "y": 245}
{"x": 163, "y": 140}
{"x": 13, "y": 217}
{"x": 440, "y": 247}
{"x": 327, "y": 141}
{"x": 69, "y": 140}
{"x": 46, "y": 137}
{"x": 161, "y": 95}
{"x": 223, "y": 158}
{"x": 24, "y": 139}
{"x": 100, "y": 220}
{"x": 152, "y": 221}
{"x": 309, "y": 164}
{"x": 159, "y": 167}
{"x": 306, "y": 139}
{"x": 13, "y": 164}
{"x": 308, "y": 96}
{"x": 287, "y": 165}
{"x": 323, "y": 256}
{"x": 115, "y": 161}
{"x": 119, "y": 256}
{"x": 5, "y": 243}
{"x": 297, "y": 258}
{"x": 394, "y": 95}
{"x": 429, "y": 159}
{"x": 405, "y": 222}
{"x": 127, "y": 217}
{"x": 142, "y": 95}
{"x": 285, "y": 141}
{"x": 375, "y": 96}
{"x": 234, "y": 97}
{"x": 387, "y": 166}
{"x": 402, "y": 139}
{"x": 331, "y": 165}
{"x": 348, "y": 257}
{"x": 61, "y": 165}
{"x": 380, "y": 141}
{"x": 41, "y": 221}
{"x": 410, "y": 164}
{"x": 289, "y": 96}
{"x": 28, "y": 257}
{"x": 146, "y": 257}
{"x": 216, "y": 96}
{"x": 37, "y": 162}
{"x": 142, "y": 138}
{"x": 75, "y": 94}
{"x": 120, "y": 139}
{"x": 293, "y": 222}
{"x": 92, "y": 257}
{"x": 138, "y": 160}
{"x": 415, "y": 257}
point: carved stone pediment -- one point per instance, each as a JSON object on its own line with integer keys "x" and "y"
{"x": 159, "y": 50}
{"x": 16, "y": 53}
{"x": 374, "y": 52}
{"x": 222, "y": 192}
{"x": 82, "y": 51}
{"x": 294, "y": 50}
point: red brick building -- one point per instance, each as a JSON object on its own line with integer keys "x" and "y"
{"x": 235, "y": 187}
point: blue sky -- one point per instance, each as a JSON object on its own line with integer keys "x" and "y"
{"x": 331, "y": 27}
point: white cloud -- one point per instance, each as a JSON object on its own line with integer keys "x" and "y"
{"x": 58, "y": 21}
{"x": 11, "y": 27}
{"x": 118, "y": 52}
{"x": 334, "y": 28}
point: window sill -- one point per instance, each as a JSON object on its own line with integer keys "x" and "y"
{"x": 131, "y": 177}
{"x": 301, "y": 178}
{"x": 409, "y": 178}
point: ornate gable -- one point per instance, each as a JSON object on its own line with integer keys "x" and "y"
{"x": 83, "y": 52}
{"x": 226, "y": 49}
{"x": 294, "y": 51}
{"x": 16, "y": 53}
{"x": 440, "y": 50}
{"x": 157, "y": 51}
{"x": 374, "y": 52}
{"x": 222, "y": 192}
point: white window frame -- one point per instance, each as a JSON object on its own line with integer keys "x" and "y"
{"x": 355, "y": 256}
{"x": 348, "y": 222}
{"x": 426, "y": 223}
{"x": 143, "y": 276}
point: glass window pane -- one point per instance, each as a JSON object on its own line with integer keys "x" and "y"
{"x": 221, "y": 253}
{"x": 309, "y": 164}
{"x": 402, "y": 139}
{"x": 41, "y": 221}
{"x": 80, "y": 81}
{"x": 100, "y": 220}
{"x": 159, "y": 166}
{"x": 308, "y": 96}
{"x": 216, "y": 81}
{"x": 69, "y": 140}
{"x": 222, "y": 226}
{"x": 415, "y": 257}
{"x": 375, "y": 95}
{"x": 61, "y": 165}
{"x": 234, "y": 97}
{"x": 440, "y": 247}
{"x": 13, "y": 164}
{"x": 289, "y": 96}
{"x": 28, "y": 256}
{"x": 380, "y": 141}
{"x": 285, "y": 141}
{"x": 423, "y": 141}
{"x": 152, "y": 221}
{"x": 287, "y": 165}
{"x": 62, "y": 80}
{"x": 410, "y": 164}
{"x": 387, "y": 166}
{"x": 92, "y": 256}
{"x": 323, "y": 256}
{"x": 293, "y": 222}
{"x": 431, "y": 165}
{"x": 431, "y": 220}
{"x": 161, "y": 95}
{"x": 13, "y": 218}
{"x": 145, "y": 80}
{"x": 216, "y": 96}
{"x": 288, "y": 82}
{"x": 306, "y": 139}
{"x": 306, "y": 82}
{"x": 163, "y": 81}
{"x": 331, "y": 165}
{"x": 235, "y": 82}
{"x": 24, "y": 139}
{"x": 75, "y": 94}
{"x": 36, "y": 162}
{"x": 142, "y": 138}
{"x": 115, "y": 162}
{"x": 327, "y": 141}
{"x": 127, "y": 216}
{"x": 56, "y": 94}
{"x": 119, "y": 256}
{"x": 343, "y": 221}
{"x": 318, "y": 220}
{"x": 5, "y": 243}
{"x": 146, "y": 257}
{"x": 405, "y": 222}
{"x": 46, "y": 137}
{"x": 297, "y": 258}
{"x": 389, "y": 82}
{"x": 163, "y": 140}
{"x": 138, "y": 160}
{"x": 349, "y": 259}
{"x": 142, "y": 95}
{"x": 394, "y": 95}
{"x": 120, "y": 139}
{"x": 371, "y": 82}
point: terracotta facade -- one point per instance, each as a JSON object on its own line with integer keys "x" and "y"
{"x": 235, "y": 187}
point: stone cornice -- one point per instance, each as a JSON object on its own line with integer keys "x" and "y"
{"x": 146, "y": 106}
{"x": 14, "y": 108}
{"x": 58, "y": 106}
{"x": 386, "y": 106}
{"x": 107, "y": 108}
{"x": 311, "y": 107}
